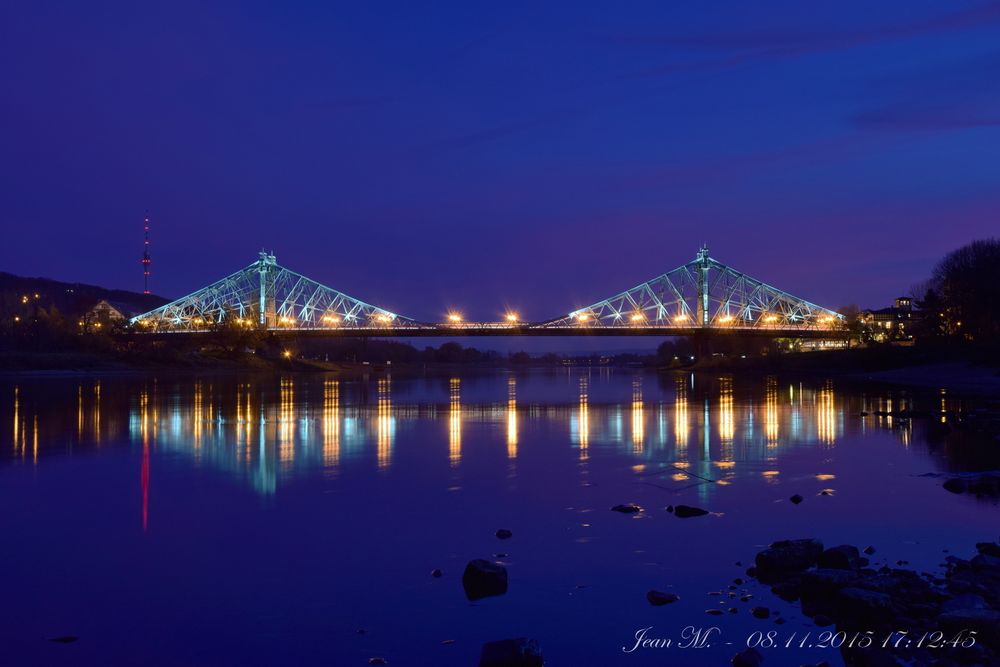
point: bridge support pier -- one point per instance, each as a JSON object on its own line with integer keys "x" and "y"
{"x": 702, "y": 342}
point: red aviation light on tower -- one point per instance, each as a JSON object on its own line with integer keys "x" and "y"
{"x": 146, "y": 261}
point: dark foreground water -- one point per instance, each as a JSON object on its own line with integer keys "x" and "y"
{"x": 296, "y": 520}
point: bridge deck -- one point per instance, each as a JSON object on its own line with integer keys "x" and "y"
{"x": 461, "y": 331}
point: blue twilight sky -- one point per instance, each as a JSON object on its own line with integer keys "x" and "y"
{"x": 540, "y": 156}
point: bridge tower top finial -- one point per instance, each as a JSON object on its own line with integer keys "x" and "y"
{"x": 266, "y": 258}
{"x": 703, "y": 253}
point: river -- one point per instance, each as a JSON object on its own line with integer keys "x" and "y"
{"x": 266, "y": 520}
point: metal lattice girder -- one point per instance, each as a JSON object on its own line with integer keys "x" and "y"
{"x": 705, "y": 294}
{"x": 269, "y": 295}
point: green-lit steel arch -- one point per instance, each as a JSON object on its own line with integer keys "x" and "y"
{"x": 701, "y": 296}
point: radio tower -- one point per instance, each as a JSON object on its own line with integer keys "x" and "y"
{"x": 146, "y": 261}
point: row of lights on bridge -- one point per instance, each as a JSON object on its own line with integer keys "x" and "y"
{"x": 456, "y": 318}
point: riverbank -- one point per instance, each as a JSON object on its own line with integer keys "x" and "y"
{"x": 889, "y": 615}
{"x": 959, "y": 370}
{"x": 70, "y": 364}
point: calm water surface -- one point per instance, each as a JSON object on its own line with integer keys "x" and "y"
{"x": 269, "y": 520}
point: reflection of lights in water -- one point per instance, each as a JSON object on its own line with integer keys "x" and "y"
{"x": 511, "y": 417}
{"x": 17, "y": 416}
{"x": 144, "y": 474}
{"x": 771, "y": 421}
{"x": 825, "y": 477}
{"x": 97, "y": 412}
{"x": 286, "y": 421}
{"x": 455, "y": 422}
{"x": 196, "y": 417}
{"x": 79, "y": 412}
{"x": 727, "y": 428}
{"x": 583, "y": 417}
{"x": 331, "y": 423}
{"x": 34, "y": 440}
{"x": 826, "y": 427}
{"x": 384, "y": 424}
{"x": 681, "y": 423}
{"x": 638, "y": 416}
{"x": 706, "y": 452}
{"x": 661, "y": 426}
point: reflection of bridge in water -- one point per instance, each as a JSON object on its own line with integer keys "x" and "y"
{"x": 245, "y": 430}
{"x": 699, "y": 298}
{"x": 263, "y": 441}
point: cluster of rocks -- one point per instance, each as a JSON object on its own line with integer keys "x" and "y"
{"x": 482, "y": 579}
{"x": 983, "y": 485}
{"x": 837, "y": 586}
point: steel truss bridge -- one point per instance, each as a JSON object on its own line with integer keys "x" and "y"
{"x": 701, "y": 297}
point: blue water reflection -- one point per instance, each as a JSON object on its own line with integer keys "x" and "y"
{"x": 268, "y": 519}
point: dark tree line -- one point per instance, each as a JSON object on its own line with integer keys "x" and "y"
{"x": 962, "y": 298}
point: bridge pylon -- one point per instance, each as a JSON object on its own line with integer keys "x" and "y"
{"x": 702, "y": 294}
{"x": 271, "y": 297}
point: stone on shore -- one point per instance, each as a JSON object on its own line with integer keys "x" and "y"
{"x": 883, "y": 600}
{"x": 863, "y": 606}
{"x": 518, "y": 652}
{"x": 985, "y": 623}
{"x": 483, "y": 578}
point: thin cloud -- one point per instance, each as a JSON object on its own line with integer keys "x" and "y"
{"x": 770, "y": 45}
{"x": 956, "y": 96}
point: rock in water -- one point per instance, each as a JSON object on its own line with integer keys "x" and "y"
{"x": 748, "y": 658}
{"x": 65, "y": 639}
{"x": 843, "y": 557}
{"x": 519, "y": 652}
{"x": 955, "y": 485}
{"x": 864, "y": 606}
{"x": 761, "y": 612}
{"x": 789, "y": 556}
{"x": 796, "y": 499}
{"x": 686, "y": 511}
{"x": 659, "y": 598}
{"x": 504, "y": 534}
{"x": 436, "y": 573}
{"x": 483, "y": 579}
{"x": 628, "y": 508}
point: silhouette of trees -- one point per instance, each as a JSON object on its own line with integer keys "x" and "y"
{"x": 965, "y": 287}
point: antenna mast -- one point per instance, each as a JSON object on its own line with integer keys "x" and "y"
{"x": 146, "y": 261}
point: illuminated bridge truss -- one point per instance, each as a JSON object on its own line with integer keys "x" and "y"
{"x": 703, "y": 294}
{"x": 267, "y": 295}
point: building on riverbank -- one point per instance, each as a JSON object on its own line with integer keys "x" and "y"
{"x": 892, "y": 323}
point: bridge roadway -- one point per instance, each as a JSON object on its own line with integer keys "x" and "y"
{"x": 471, "y": 329}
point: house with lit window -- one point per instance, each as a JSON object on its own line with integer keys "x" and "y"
{"x": 892, "y": 323}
